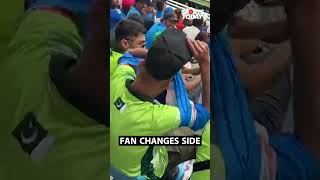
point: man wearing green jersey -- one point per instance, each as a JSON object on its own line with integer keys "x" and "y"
{"x": 129, "y": 34}
{"x": 135, "y": 113}
{"x": 53, "y": 99}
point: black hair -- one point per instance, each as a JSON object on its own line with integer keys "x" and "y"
{"x": 128, "y": 28}
{"x": 149, "y": 3}
{"x": 160, "y": 5}
{"x": 136, "y": 17}
{"x": 197, "y": 22}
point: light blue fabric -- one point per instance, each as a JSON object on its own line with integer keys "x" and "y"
{"x": 294, "y": 161}
{"x": 153, "y": 32}
{"x": 133, "y": 10}
{"x": 182, "y": 100}
{"x": 141, "y": 178}
{"x": 203, "y": 117}
{"x": 235, "y": 130}
{"x": 168, "y": 10}
{"x": 184, "y": 105}
{"x": 115, "y": 17}
{"x": 180, "y": 171}
{"x": 159, "y": 14}
{"x": 127, "y": 58}
{"x": 150, "y": 16}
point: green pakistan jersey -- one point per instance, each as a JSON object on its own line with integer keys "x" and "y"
{"x": 114, "y": 59}
{"x": 135, "y": 115}
{"x": 43, "y": 136}
{"x": 203, "y": 154}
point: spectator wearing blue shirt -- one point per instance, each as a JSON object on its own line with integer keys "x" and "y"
{"x": 159, "y": 9}
{"x": 168, "y": 21}
{"x": 149, "y": 12}
{"x": 115, "y": 14}
{"x": 138, "y": 7}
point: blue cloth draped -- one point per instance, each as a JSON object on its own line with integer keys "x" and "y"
{"x": 235, "y": 130}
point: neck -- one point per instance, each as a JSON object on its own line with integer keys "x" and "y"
{"x": 151, "y": 90}
{"x": 119, "y": 50}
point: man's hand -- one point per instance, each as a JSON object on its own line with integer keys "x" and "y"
{"x": 200, "y": 51}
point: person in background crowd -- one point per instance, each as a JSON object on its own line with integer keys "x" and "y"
{"x": 113, "y": 42}
{"x": 137, "y": 8}
{"x": 178, "y": 14}
{"x": 129, "y": 34}
{"x": 149, "y": 12}
{"x": 194, "y": 30}
{"x": 115, "y": 14}
{"x": 126, "y": 5}
{"x": 205, "y": 26}
{"x": 202, "y": 36}
{"x": 159, "y": 10}
{"x": 167, "y": 9}
{"x": 168, "y": 22}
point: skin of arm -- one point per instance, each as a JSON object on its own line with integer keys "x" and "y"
{"x": 191, "y": 85}
{"x": 139, "y": 52}
{"x": 242, "y": 46}
{"x": 257, "y": 78}
{"x": 205, "y": 79}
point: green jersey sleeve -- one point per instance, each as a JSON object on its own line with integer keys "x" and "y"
{"x": 124, "y": 72}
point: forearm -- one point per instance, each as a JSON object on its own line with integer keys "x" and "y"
{"x": 205, "y": 79}
{"x": 276, "y": 32}
{"x": 139, "y": 52}
{"x": 243, "y": 29}
{"x": 240, "y": 46}
{"x": 258, "y": 78}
